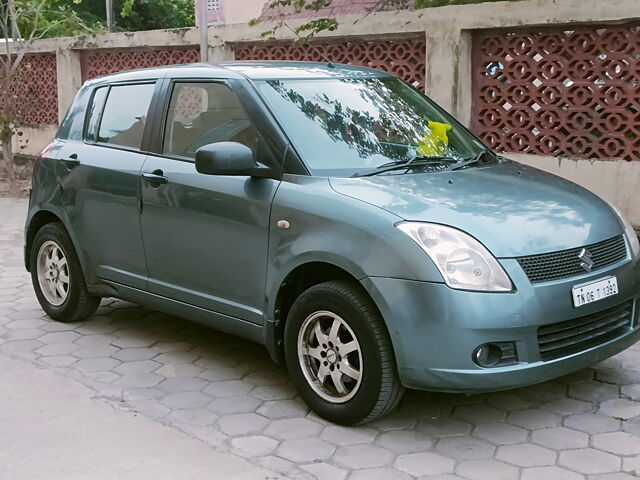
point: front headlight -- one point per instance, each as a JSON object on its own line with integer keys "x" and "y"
{"x": 632, "y": 236}
{"x": 463, "y": 261}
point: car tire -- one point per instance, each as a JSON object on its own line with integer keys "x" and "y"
{"x": 57, "y": 276}
{"x": 356, "y": 384}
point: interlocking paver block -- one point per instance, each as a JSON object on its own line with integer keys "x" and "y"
{"x": 465, "y": 448}
{"x": 283, "y": 409}
{"x": 59, "y": 337}
{"x": 292, "y": 428}
{"x": 348, "y": 435}
{"x": 381, "y": 474}
{"x": 228, "y": 389}
{"x": 97, "y": 364}
{"x": 235, "y": 404}
{"x": 363, "y": 456}
{"x": 593, "y": 391}
{"x": 618, "y": 443}
{"x": 568, "y": 406}
{"x": 139, "y": 366}
{"x": 425, "y": 463}
{"x": 139, "y": 379}
{"x": 305, "y": 450}
{"x": 534, "y": 418}
{"x": 500, "y": 433}
{"x": 186, "y": 400}
{"x": 177, "y": 370}
{"x": 197, "y": 416}
{"x": 487, "y": 470}
{"x": 242, "y": 424}
{"x": 479, "y": 414}
{"x": 256, "y": 445}
{"x": 589, "y": 461}
{"x": 404, "y": 441}
{"x": 133, "y": 354}
{"x": 444, "y": 427}
{"x": 274, "y": 392}
{"x": 621, "y": 408}
{"x": 57, "y": 349}
{"x": 560, "y": 438}
{"x": 632, "y": 391}
{"x": 550, "y": 473}
{"x": 592, "y": 423}
{"x": 325, "y": 471}
{"x": 185, "y": 384}
{"x": 526, "y": 455}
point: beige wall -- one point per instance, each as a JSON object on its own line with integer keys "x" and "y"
{"x": 241, "y": 11}
{"x": 448, "y": 32}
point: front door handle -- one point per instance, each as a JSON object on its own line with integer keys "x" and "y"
{"x": 72, "y": 161}
{"x": 156, "y": 177}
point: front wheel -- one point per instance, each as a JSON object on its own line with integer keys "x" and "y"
{"x": 339, "y": 354}
{"x": 57, "y": 276}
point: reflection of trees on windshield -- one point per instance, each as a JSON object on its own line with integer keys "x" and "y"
{"x": 380, "y": 116}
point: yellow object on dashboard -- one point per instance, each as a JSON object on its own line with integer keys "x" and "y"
{"x": 435, "y": 142}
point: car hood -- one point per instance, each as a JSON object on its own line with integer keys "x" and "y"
{"x": 513, "y": 209}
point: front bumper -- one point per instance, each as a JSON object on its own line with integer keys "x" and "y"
{"x": 434, "y": 329}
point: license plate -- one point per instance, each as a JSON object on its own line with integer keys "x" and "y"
{"x": 594, "y": 291}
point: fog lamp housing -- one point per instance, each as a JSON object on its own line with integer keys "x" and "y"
{"x": 495, "y": 354}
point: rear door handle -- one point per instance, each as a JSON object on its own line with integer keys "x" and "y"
{"x": 72, "y": 161}
{"x": 156, "y": 177}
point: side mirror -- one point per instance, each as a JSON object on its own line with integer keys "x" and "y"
{"x": 229, "y": 158}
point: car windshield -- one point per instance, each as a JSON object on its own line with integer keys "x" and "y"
{"x": 362, "y": 126}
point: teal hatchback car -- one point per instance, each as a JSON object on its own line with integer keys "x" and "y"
{"x": 337, "y": 216}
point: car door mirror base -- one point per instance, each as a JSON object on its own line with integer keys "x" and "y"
{"x": 230, "y": 158}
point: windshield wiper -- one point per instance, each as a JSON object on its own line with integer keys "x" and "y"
{"x": 471, "y": 161}
{"x": 407, "y": 164}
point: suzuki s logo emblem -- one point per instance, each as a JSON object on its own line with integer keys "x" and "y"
{"x": 586, "y": 260}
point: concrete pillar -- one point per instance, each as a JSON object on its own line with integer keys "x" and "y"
{"x": 448, "y": 75}
{"x": 69, "y": 75}
{"x": 220, "y": 52}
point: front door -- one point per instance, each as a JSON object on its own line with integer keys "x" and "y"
{"x": 100, "y": 180}
{"x": 205, "y": 236}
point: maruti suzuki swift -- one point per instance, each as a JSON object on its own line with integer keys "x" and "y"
{"x": 337, "y": 216}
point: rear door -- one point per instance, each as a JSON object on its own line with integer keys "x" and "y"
{"x": 100, "y": 180}
{"x": 206, "y": 236}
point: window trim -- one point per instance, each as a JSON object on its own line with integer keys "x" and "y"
{"x": 144, "y": 143}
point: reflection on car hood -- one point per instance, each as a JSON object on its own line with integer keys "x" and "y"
{"x": 512, "y": 209}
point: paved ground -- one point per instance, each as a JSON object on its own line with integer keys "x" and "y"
{"x": 52, "y": 428}
{"x": 226, "y": 392}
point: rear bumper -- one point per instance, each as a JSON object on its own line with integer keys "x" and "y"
{"x": 435, "y": 329}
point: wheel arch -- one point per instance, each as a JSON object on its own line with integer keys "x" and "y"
{"x": 299, "y": 279}
{"x": 39, "y": 220}
{"x": 44, "y": 217}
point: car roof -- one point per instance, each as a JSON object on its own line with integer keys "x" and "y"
{"x": 245, "y": 69}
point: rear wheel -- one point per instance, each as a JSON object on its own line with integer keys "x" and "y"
{"x": 339, "y": 354}
{"x": 57, "y": 276}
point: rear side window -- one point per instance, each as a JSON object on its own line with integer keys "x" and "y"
{"x": 125, "y": 114}
{"x": 201, "y": 113}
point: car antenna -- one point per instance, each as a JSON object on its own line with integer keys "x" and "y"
{"x": 308, "y": 44}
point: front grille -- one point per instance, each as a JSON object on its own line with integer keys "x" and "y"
{"x": 561, "y": 339}
{"x": 565, "y": 264}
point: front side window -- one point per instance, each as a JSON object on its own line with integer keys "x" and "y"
{"x": 201, "y": 113}
{"x": 125, "y": 114}
{"x": 351, "y": 126}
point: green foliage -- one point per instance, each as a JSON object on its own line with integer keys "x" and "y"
{"x": 50, "y": 18}
{"x": 137, "y": 15}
